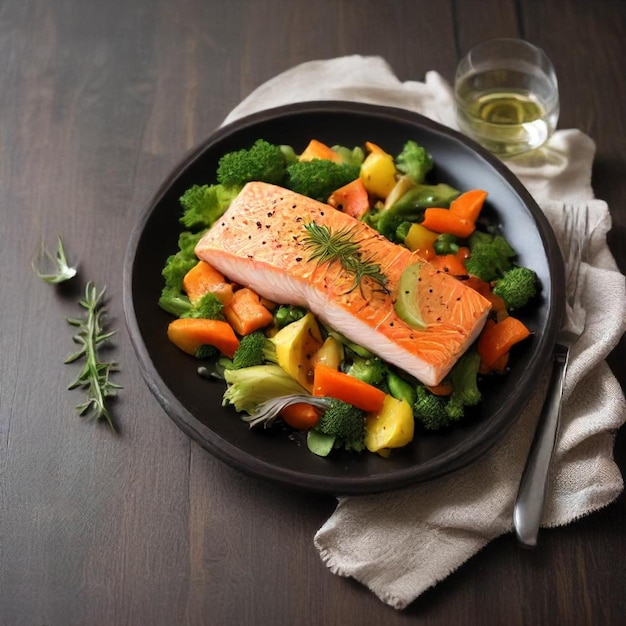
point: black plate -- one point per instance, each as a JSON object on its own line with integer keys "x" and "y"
{"x": 195, "y": 403}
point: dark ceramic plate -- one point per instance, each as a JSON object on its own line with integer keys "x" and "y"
{"x": 195, "y": 403}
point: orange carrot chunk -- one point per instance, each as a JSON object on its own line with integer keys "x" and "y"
{"x": 498, "y": 338}
{"x": 351, "y": 199}
{"x": 318, "y": 150}
{"x": 469, "y": 204}
{"x": 484, "y": 289}
{"x": 332, "y": 383}
{"x": 202, "y": 278}
{"x": 445, "y": 221}
{"x": 246, "y": 313}
{"x": 190, "y": 333}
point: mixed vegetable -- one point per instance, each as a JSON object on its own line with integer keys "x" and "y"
{"x": 279, "y": 362}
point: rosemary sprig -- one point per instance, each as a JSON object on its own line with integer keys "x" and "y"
{"x": 94, "y": 377}
{"x": 339, "y": 247}
{"x": 51, "y": 268}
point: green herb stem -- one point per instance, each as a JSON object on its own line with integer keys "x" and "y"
{"x": 94, "y": 376}
{"x": 51, "y": 268}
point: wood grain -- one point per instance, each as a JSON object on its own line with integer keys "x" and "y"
{"x": 98, "y": 102}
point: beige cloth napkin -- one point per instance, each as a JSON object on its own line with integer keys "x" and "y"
{"x": 401, "y": 543}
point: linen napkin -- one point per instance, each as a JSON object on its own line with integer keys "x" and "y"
{"x": 401, "y": 543}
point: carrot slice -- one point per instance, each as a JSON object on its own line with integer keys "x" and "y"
{"x": 498, "y": 338}
{"x": 246, "y": 313}
{"x": 300, "y": 415}
{"x": 332, "y": 383}
{"x": 445, "y": 221}
{"x": 484, "y": 289}
{"x": 469, "y": 204}
{"x": 202, "y": 278}
{"x": 190, "y": 333}
{"x": 352, "y": 199}
{"x": 370, "y": 146}
{"x": 318, "y": 150}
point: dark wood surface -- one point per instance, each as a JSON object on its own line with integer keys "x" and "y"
{"x": 98, "y": 102}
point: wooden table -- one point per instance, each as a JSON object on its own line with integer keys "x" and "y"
{"x": 98, "y": 102}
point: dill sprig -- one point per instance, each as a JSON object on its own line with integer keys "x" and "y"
{"x": 94, "y": 377}
{"x": 340, "y": 247}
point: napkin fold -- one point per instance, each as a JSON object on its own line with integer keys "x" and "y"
{"x": 401, "y": 543}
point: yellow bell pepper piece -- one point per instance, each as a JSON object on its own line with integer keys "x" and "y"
{"x": 378, "y": 173}
{"x": 330, "y": 354}
{"x": 391, "y": 427}
{"x": 421, "y": 240}
{"x": 296, "y": 344}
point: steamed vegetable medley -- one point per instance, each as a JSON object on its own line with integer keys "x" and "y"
{"x": 280, "y": 364}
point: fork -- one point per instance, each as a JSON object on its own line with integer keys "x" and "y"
{"x": 529, "y": 503}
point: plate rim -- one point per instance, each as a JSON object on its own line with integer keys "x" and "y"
{"x": 453, "y": 459}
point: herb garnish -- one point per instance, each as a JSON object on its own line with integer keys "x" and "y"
{"x": 339, "y": 247}
{"x": 95, "y": 374}
{"x": 53, "y": 269}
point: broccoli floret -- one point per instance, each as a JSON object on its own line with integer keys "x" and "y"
{"x": 208, "y": 307}
{"x": 254, "y": 349}
{"x": 369, "y": 369}
{"x": 344, "y": 422}
{"x": 436, "y": 412}
{"x": 446, "y": 244}
{"x": 172, "y": 298}
{"x": 490, "y": 256}
{"x": 455, "y": 410}
{"x": 318, "y": 178}
{"x": 207, "y": 352}
{"x": 430, "y": 409}
{"x": 251, "y": 386}
{"x": 174, "y": 301}
{"x": 414, "y": 161}
{"x": 286, "y": 314}
{"x": 264, "y": 162}
{"x": 517, "y": 287}
{"x": 204, "y": 204}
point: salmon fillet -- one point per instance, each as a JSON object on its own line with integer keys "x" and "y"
{"x": 261, "y": 242}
